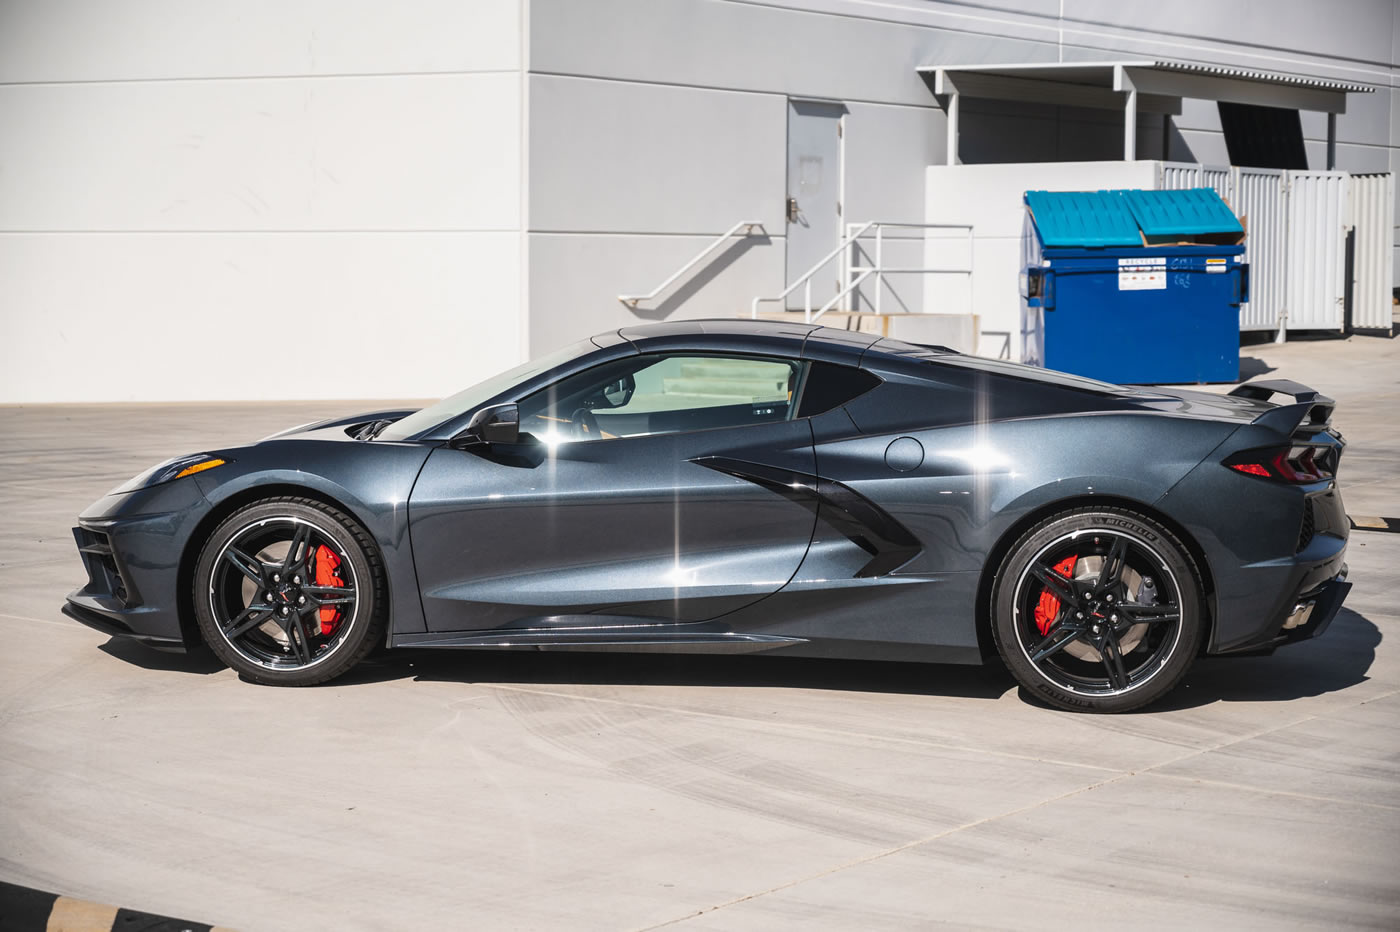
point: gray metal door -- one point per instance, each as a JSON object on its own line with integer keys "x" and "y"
{"x": 813, "y": 191}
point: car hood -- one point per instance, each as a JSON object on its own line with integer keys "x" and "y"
{"x": 350, "y": 426}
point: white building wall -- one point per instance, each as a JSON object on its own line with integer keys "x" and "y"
{"x": 234, "y": 200}
{"x": 668, "y": 125}
{"x": 991, "y": 199}
{"x": 656, "y": 124}
{"x": 181, "y": 184}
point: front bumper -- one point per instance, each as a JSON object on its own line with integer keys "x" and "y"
{"x": 131, "y": 545}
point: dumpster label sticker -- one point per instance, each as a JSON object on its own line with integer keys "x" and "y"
{"x": 1142, "y": 274}
{"x": 1216, "y": 265}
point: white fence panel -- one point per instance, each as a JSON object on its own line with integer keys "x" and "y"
{"x": 1260, "y": 200}
{"x": 1372, "y": 255}
{"x": 1220, "y": 178}
{"x": 1316, "y": 254}
{"x": 1174, "y": 176}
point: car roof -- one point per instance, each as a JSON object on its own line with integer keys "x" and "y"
{"x": 788, "y": 338}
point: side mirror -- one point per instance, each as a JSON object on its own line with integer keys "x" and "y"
{"x": 620, "y": 392}
{"x": 496, "y": 424}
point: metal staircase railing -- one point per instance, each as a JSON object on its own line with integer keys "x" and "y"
{"x": 855, "y": 274}
{"x": 805, "y": 281}
{"x": 748, "y": 226}
{"x": 858, "y": 273}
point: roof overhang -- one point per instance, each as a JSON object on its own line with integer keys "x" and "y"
{"x": 1159, "y": 85}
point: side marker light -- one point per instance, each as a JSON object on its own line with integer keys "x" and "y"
{"x": 198, "y": 467}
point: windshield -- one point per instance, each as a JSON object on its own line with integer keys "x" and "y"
{"x": 472, "y": 398}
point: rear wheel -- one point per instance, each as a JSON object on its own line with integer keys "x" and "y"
{"x": 290, "y": 592}
{"x": 1097, "y": 610}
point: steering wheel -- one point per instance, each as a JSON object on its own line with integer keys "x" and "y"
{"x": 585, "y": 424}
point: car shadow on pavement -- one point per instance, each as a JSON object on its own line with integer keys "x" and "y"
{"x": 201, "y": 660}
{"x": 618, "y": 669}
{"x": 1340, "y": 658}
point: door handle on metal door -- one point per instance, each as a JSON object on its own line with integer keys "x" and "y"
{"x": 792, "y": 210}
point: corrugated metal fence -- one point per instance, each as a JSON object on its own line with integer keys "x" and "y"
{"x": 1315, "y": 278}
{"x": 1373, "y": 254}
{"x": 1297, "y": 224}
{"x": 1259, "y": 196}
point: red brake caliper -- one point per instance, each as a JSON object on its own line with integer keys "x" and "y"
{"x": 1048, "y": 608}
{"x": 326, "y": 572}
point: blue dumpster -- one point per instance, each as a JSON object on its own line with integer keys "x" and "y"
{"x": 1133, "y": 286}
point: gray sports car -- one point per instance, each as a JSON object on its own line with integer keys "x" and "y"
{"x": 739, "y": 486}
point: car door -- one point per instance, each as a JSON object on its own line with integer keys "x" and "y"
{"x": 616, "y": 508}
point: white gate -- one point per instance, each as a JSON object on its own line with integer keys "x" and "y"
{"x": 1296, "y": 226}
{"x": 1316, "y": 251}
{"x": 1372, "y": 256}
{"x": 1260, "y": 198}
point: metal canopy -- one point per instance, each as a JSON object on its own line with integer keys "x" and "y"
{"x": 1150, "y": 86}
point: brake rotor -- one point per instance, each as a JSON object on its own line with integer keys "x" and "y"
{"x": 272, "y": 553}
{"x": 1086, "y": 570}
{"x": 323, "y": 569}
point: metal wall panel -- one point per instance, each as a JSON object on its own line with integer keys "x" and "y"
{"x": 1316, "y": 250}
{"x": 1260, "y": 200}
{"x": 1372, "y": 197}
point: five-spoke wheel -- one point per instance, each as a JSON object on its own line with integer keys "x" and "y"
{"x": 1097, "y": 610}
{"x": 287, "y": 591}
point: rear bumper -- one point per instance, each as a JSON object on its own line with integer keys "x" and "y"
{"x": 1308, "y": 614}
{"x": 1267, "y": 546}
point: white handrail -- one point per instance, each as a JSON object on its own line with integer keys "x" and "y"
{"x": 632, "y": 300}
{"x": 880, "y": 270}
{"x": 856, "y": 274}
{"x": 851, "y": 286}
{"x": 805, "y": 278}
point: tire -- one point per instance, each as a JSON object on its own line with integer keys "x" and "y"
{"x": 290, "y": 591}
{"x": 1098, "y": 610}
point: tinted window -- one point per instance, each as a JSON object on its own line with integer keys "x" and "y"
{"x": 661, "y": 394}
{"x": 829, "y": 385}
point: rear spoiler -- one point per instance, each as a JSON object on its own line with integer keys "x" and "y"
{"x": 1310, "y": 408}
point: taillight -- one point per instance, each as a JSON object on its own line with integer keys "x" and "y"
{"x": 1299, "y": 464}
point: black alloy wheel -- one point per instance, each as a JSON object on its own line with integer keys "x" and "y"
{"x": 289, "y": 592}
{"x": 1098, "y": 610}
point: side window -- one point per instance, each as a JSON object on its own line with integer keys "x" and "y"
{"x": 829, "y": 385}
{"x": 662, "y": 394}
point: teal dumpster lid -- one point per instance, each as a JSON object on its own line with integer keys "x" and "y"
{"x": 1129, "y": 217}
{"x": 1191, "y": 211}
{"x": 1083, "y": 218}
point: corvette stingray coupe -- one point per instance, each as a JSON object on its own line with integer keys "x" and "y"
{"x": 741, "y": 486}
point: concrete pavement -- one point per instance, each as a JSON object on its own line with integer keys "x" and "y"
{"x": 452, "y": 790}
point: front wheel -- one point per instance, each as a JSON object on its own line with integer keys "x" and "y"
{"x": 1097, "y": 610}
{"x": 290, "y": 592}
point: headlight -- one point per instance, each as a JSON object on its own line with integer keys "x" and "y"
{"x": 176, "y": 468}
